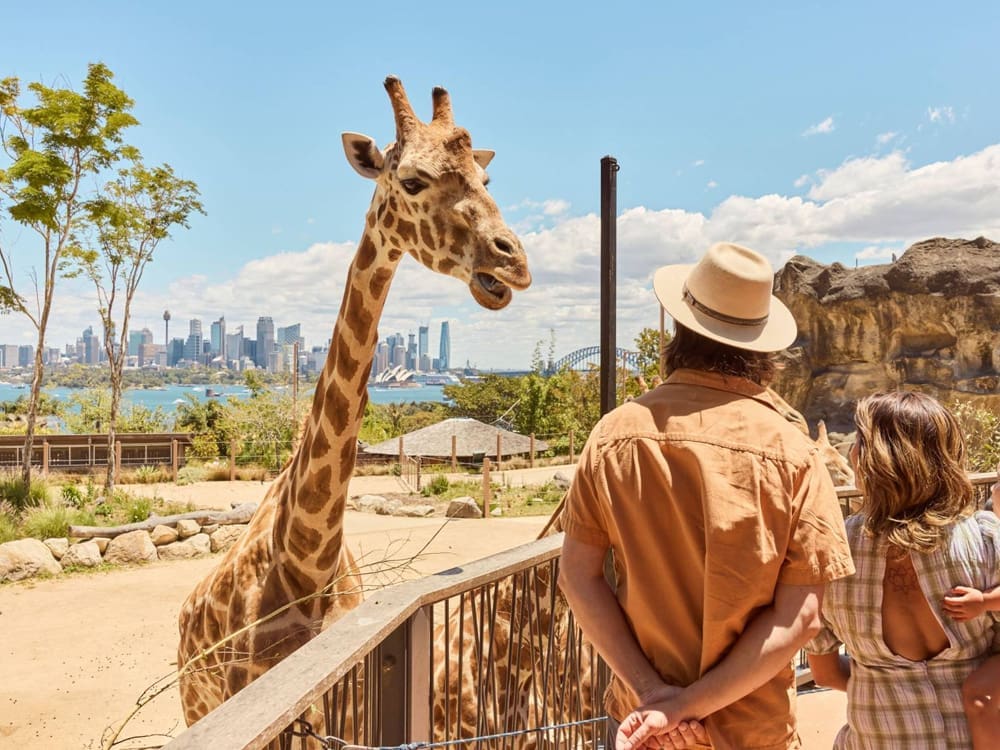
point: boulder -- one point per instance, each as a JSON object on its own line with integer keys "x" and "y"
{"x": 187, "y": 527}
{"x": 182, "y": 550}
{"x": 415, "y": 511}
{"x": 225, "y": 536}
{"x": 464, "y": 507}
{"x": 163, "y": 535}
{"x": 26, "y": 558}
{"x": 82, "y": 555}
{"x": 562, "y": 479}
{"x": 930, "y": 321}
{"x": 57, "y": 547}
{"x": 102, "y": 543}
{"x": 132, "y": 547}
{"x": 202, "y": 543}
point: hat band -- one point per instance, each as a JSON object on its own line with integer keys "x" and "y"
{"x": 721, "y": 317}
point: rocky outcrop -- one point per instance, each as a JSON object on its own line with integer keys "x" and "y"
{"x": 929, "y": 321}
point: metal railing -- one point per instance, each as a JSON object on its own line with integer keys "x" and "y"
{"x": 514, "y": 661}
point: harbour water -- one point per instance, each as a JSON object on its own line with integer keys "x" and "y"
{"x": 170, "y": 396}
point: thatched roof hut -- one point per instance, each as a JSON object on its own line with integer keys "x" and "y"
{"x": 472, "y": 437}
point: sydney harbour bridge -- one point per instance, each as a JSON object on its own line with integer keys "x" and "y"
{"x": 590, "y": 358}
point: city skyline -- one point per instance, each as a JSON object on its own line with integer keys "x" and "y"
{"x": 844, "y": 132}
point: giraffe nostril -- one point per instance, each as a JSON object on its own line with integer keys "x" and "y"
{"x": 503, "y": 246}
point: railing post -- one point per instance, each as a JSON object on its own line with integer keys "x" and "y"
{"x": 499, "y": 451}
{"x": 487, "y": 489}
{"x": 402, "y": 456}
{"x": 391, "y": 686}
{"x": 418, "y": 473}
{"x": 45, "y": 458}
{"x": 572, "y": 458}
{"x": 454, "y": 452}
{"x": 232, "y": 459}
{"x": 419, "y": 663}
{"x": 174, "y": 459}
{"x": 531, "y": 461}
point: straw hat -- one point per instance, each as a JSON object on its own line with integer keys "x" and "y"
{"x": 726, "y": 296}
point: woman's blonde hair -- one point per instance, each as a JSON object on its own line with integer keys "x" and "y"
{"x": 911, "y": 468}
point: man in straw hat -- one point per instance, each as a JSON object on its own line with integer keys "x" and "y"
{"x": 723, "y": 521}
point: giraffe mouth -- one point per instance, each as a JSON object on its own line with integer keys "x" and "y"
{"x": 489, "y": 291}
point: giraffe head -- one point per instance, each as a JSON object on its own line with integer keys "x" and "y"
{"x": 431, "y": 200}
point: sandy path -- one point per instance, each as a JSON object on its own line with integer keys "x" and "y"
{"x": 78, "y": 650}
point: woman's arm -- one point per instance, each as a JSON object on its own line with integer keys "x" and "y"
{"x": 830, "y": 670}
{"x": 965, "y": 603}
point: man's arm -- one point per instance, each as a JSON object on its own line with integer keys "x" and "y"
{"x": 596, "y": 609}
{"x": 766, "y": 646}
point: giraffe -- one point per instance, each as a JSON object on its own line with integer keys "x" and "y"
{"x": 290, "y": 574}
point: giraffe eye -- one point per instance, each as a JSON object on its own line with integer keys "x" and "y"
{"x": 413, "y": 186}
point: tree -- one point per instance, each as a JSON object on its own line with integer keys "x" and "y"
{"x": 91, "y": 410}
{"x": 648, "y": 345}
{"x": 55, "y": 148}
{"x": 133, "y": 214}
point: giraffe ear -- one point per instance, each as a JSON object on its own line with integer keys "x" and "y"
{"x": 363, "y": 154}
{"x": 483, "y": 156}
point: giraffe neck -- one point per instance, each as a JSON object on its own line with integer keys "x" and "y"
{"x": 308, "y": 527}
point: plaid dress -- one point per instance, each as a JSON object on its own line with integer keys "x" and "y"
{"x": 893, "y": 702}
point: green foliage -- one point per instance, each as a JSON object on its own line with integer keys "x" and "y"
{"x": 204, "y": 446}
{"x": 981, "y": 428}
{"x": 9, "y": 530}
{"x": 648, "y": 345}
{"x": 437, "y": 486}
{"x": 46, "y": 405}
{"x": 93, "y": 412}
{"x": 265, "y": 425}
{"x": 190, "y": 474}
{"x": 53, "y": 521}
{"x": 146, "y": 475}
{"x": 13, "y": 490}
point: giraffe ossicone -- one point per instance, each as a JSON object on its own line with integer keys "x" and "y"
{"x": 290, "y": 574}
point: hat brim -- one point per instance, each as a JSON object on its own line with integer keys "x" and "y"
{"x": 776, "y": 333}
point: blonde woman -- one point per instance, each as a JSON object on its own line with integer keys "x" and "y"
{"x": 916, "y": 538}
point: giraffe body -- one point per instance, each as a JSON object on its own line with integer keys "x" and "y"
{"x": 290, "y": 574}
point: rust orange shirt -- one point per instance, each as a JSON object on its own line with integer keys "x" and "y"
{"x": 709, "y": 498}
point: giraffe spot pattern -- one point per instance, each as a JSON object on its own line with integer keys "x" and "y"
{"x": 407, "y": 231}
{"x": 357, "y": 317}
{"x": 446, "y": 265}
{"x": 302, "y": 540}
{"x": 388, "y": 221}
{"x": 320, "y": 446}
{"x": 379, "y": 282}
{"x": 425, "y": 234}
{"x": 331, "y": 552}
{"x": 366, "y": 253}
{"x": 348, "y": 452}
{"x": 337, "y": 410}
{"x": 347, "y": 366}
{"x": 426, "y": 258}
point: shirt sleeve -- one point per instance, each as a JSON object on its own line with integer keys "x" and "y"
{"x": 825, "y": 642}
{"x": 818, "y": 551}
{"x": 584, "y": 514}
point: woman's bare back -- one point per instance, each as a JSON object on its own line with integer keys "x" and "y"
{"x": 909, "y": 627}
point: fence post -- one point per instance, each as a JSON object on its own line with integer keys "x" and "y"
{"x": 487, "y": 490}
{"x": 118, "y": 461}
{"x": 572, "y": 459}
{"x": 418, "y": 473}
{"x": 45, "y": 458}
{"x": 174, "y": 459}
{"x": 531, "y": 461}
{"x": 499, "y": 451}
{"x": 402, "y": 456}
{"x": 454, "y": 452}
{"x": 232, "y": 459}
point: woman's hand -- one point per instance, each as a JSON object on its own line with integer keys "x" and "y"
{"x": 651, "y": 730}
{"x": 963, "y": 603}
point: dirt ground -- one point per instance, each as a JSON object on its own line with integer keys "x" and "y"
{"x": 78, "y": 651}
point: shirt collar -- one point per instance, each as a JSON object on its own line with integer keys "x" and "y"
{"x": 720, "y": 382}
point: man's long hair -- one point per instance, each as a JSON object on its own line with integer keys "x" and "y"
{"x": 688, "y": 349}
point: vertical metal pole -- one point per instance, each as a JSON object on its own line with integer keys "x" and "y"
{"x": 609, "y": 250}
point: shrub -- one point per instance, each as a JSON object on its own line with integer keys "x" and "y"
{"x": 47, "y": 522}
{"x": 72, "y": 496}
{"x": 13, "y": 490}
{"x": 204, "y": 446}
{"x": 138, "y": 509}
{"x": 191, "y": 473}
{"x": 437, "y": 486}
{"x": 8, "y": 523}
{"x": 146, "y": 475}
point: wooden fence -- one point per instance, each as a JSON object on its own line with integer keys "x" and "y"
{"x": 83, "y": 453}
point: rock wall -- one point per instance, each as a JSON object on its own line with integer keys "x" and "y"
{"x": 929, "y": 321}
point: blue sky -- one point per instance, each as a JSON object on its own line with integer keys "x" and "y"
{"x": 841, "y": 131}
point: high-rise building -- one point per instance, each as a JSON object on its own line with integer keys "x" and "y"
{"x": 176, "y": 352}
{"x": 444, "y": 348}
{"x": 411, "y": 352}
{"x": 265, "y": 341}
{"x": 194, "y": 343}
{"x": 219, "y": 338}
{"x": 8, "y": 356}
{"x": 289, "y": 335}
{"x": 423, "y": 350}
{"x": 91, "y": 347}
{"x": 26, "y": 355}
{"x": 137, "y": 339}
{"x": 234, "y": 344}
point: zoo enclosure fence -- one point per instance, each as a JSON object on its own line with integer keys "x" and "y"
{"x": 378, "y": 677}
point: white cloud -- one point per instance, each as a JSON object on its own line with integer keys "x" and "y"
{"x": 712, "y": 184}
{"x": 555, "y": 207}
{"x": 876, "y": 252}
{"x": 941, "y": 114}
{"x": 820, "y": 128}
{"x": 882, "y": 204}
{"x": 698, "y": 163}
{"x": 802, "y": 181}
{"x": 884, "y": 138}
